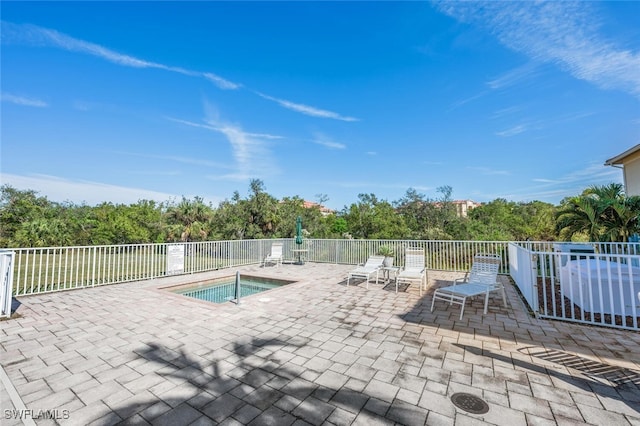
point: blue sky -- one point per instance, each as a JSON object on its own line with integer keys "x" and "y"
{"x": 121, "y": 101}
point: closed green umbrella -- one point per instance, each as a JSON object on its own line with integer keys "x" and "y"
{"x": 299, "y": 230}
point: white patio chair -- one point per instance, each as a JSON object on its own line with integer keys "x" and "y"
{"x": 481, "y": 280}
{"x": 414, "y": 269}
{"x": 366, "y": 271}
{"x": 275, "y": 256}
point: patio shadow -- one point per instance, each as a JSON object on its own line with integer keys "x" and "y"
{"x": 252, "y": 387}
{"x": 626, "y": 382}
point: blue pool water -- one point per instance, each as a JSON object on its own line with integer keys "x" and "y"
{"x": 223, "y": 290}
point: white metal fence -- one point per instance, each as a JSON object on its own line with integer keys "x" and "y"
{"x": 40, "y": 270}
{"x": 6, "y": 271}
{"x": 599, "y": 291}
{"x": 597, "y": 284}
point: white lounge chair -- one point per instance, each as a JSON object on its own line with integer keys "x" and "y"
{"x": 481, "y": 280}
{"x": 413, "y": 270}
{"x": 366, "y": 271}
{"x": 275, "y": 256}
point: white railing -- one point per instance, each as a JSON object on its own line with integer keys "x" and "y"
{"x": 600, "y": 287}
{"x": 41, "y": 270}
{"x": 599, "y": 291}
{"x": 440, "y": 255}
{"x": 523, "y": 271}
{"x": 590, "y": 288}
{"x": 6, "y": 269}
{"x": 632, "y": 248}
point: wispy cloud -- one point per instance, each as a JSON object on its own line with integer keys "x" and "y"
{"x": 306, "y": 109}
{"x": 181, "y": 159}
{"x": 35, "y": 35}
{"x": 514, "y": 76}
{"x": 465, "y": 101}
{"x": 488, "y": 171}
{"x": 327, "y": 142}
{"x": 502, "y": 82}
{"x": 39, "y": 36}
{"x": 220, "y": 82}
{"x": 563, "y": 118}
{"x": 155, "y": 172}
{"x": 564, "y": 33}
{"x": 221, "y": 129}
{"x": 567, "y": 185}
{"x": 515, "y": 130}
{"x": 596, "y": 173}
{"x": 529, "y": 125}
{"x": 24, "y": 101}
{"x": 82, "y": 191}
{"x": 368, "y": 186}
{"x": 504, "y": 112}
{"x": 253, "y": 159}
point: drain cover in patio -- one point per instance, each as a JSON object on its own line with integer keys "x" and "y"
{"x": 469, "y": 403}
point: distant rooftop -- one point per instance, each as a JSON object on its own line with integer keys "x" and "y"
{"x": 324, "y": 210}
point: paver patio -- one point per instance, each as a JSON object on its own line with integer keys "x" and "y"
{"x": 314, "y": 352}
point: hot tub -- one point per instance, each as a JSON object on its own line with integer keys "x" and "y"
{"x": 601, "y": 286}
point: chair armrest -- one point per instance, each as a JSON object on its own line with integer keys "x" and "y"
{"x": 459, "y": 280}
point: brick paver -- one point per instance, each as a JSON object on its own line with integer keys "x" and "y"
{"x": 313, "y": 352}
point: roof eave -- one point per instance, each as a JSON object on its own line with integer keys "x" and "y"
{"x": 618, "y": 158}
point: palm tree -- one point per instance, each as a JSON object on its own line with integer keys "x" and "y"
{"x": 604, "y": 213}
{"x": 189, "y": 219}
{"x": 578, "y": 215}
{"x": 621, "y": 214}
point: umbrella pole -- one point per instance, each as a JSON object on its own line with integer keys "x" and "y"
{"x": 237, "y": 287}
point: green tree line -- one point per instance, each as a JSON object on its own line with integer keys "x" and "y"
{"x": 601, "y": 213}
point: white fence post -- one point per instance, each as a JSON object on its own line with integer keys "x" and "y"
{"x": 6, "y": 268}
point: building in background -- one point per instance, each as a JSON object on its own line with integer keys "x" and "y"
{"x": 324, "y": 210}
{"x": 629, "y": 162}
{"x": 463, "y": 207}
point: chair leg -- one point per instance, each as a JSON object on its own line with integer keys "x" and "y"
{"x": 464, "y": 302}
{"x": 504, "y": 297}
{"x": 433, "y": 301}
{"x": 486, "y": 302}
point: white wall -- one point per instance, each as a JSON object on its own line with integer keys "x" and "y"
{"x": 632, "y": 177}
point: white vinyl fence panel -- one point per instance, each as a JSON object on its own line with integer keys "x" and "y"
{"x": 524, "y": 272}
{"x": 6, "y": 269}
